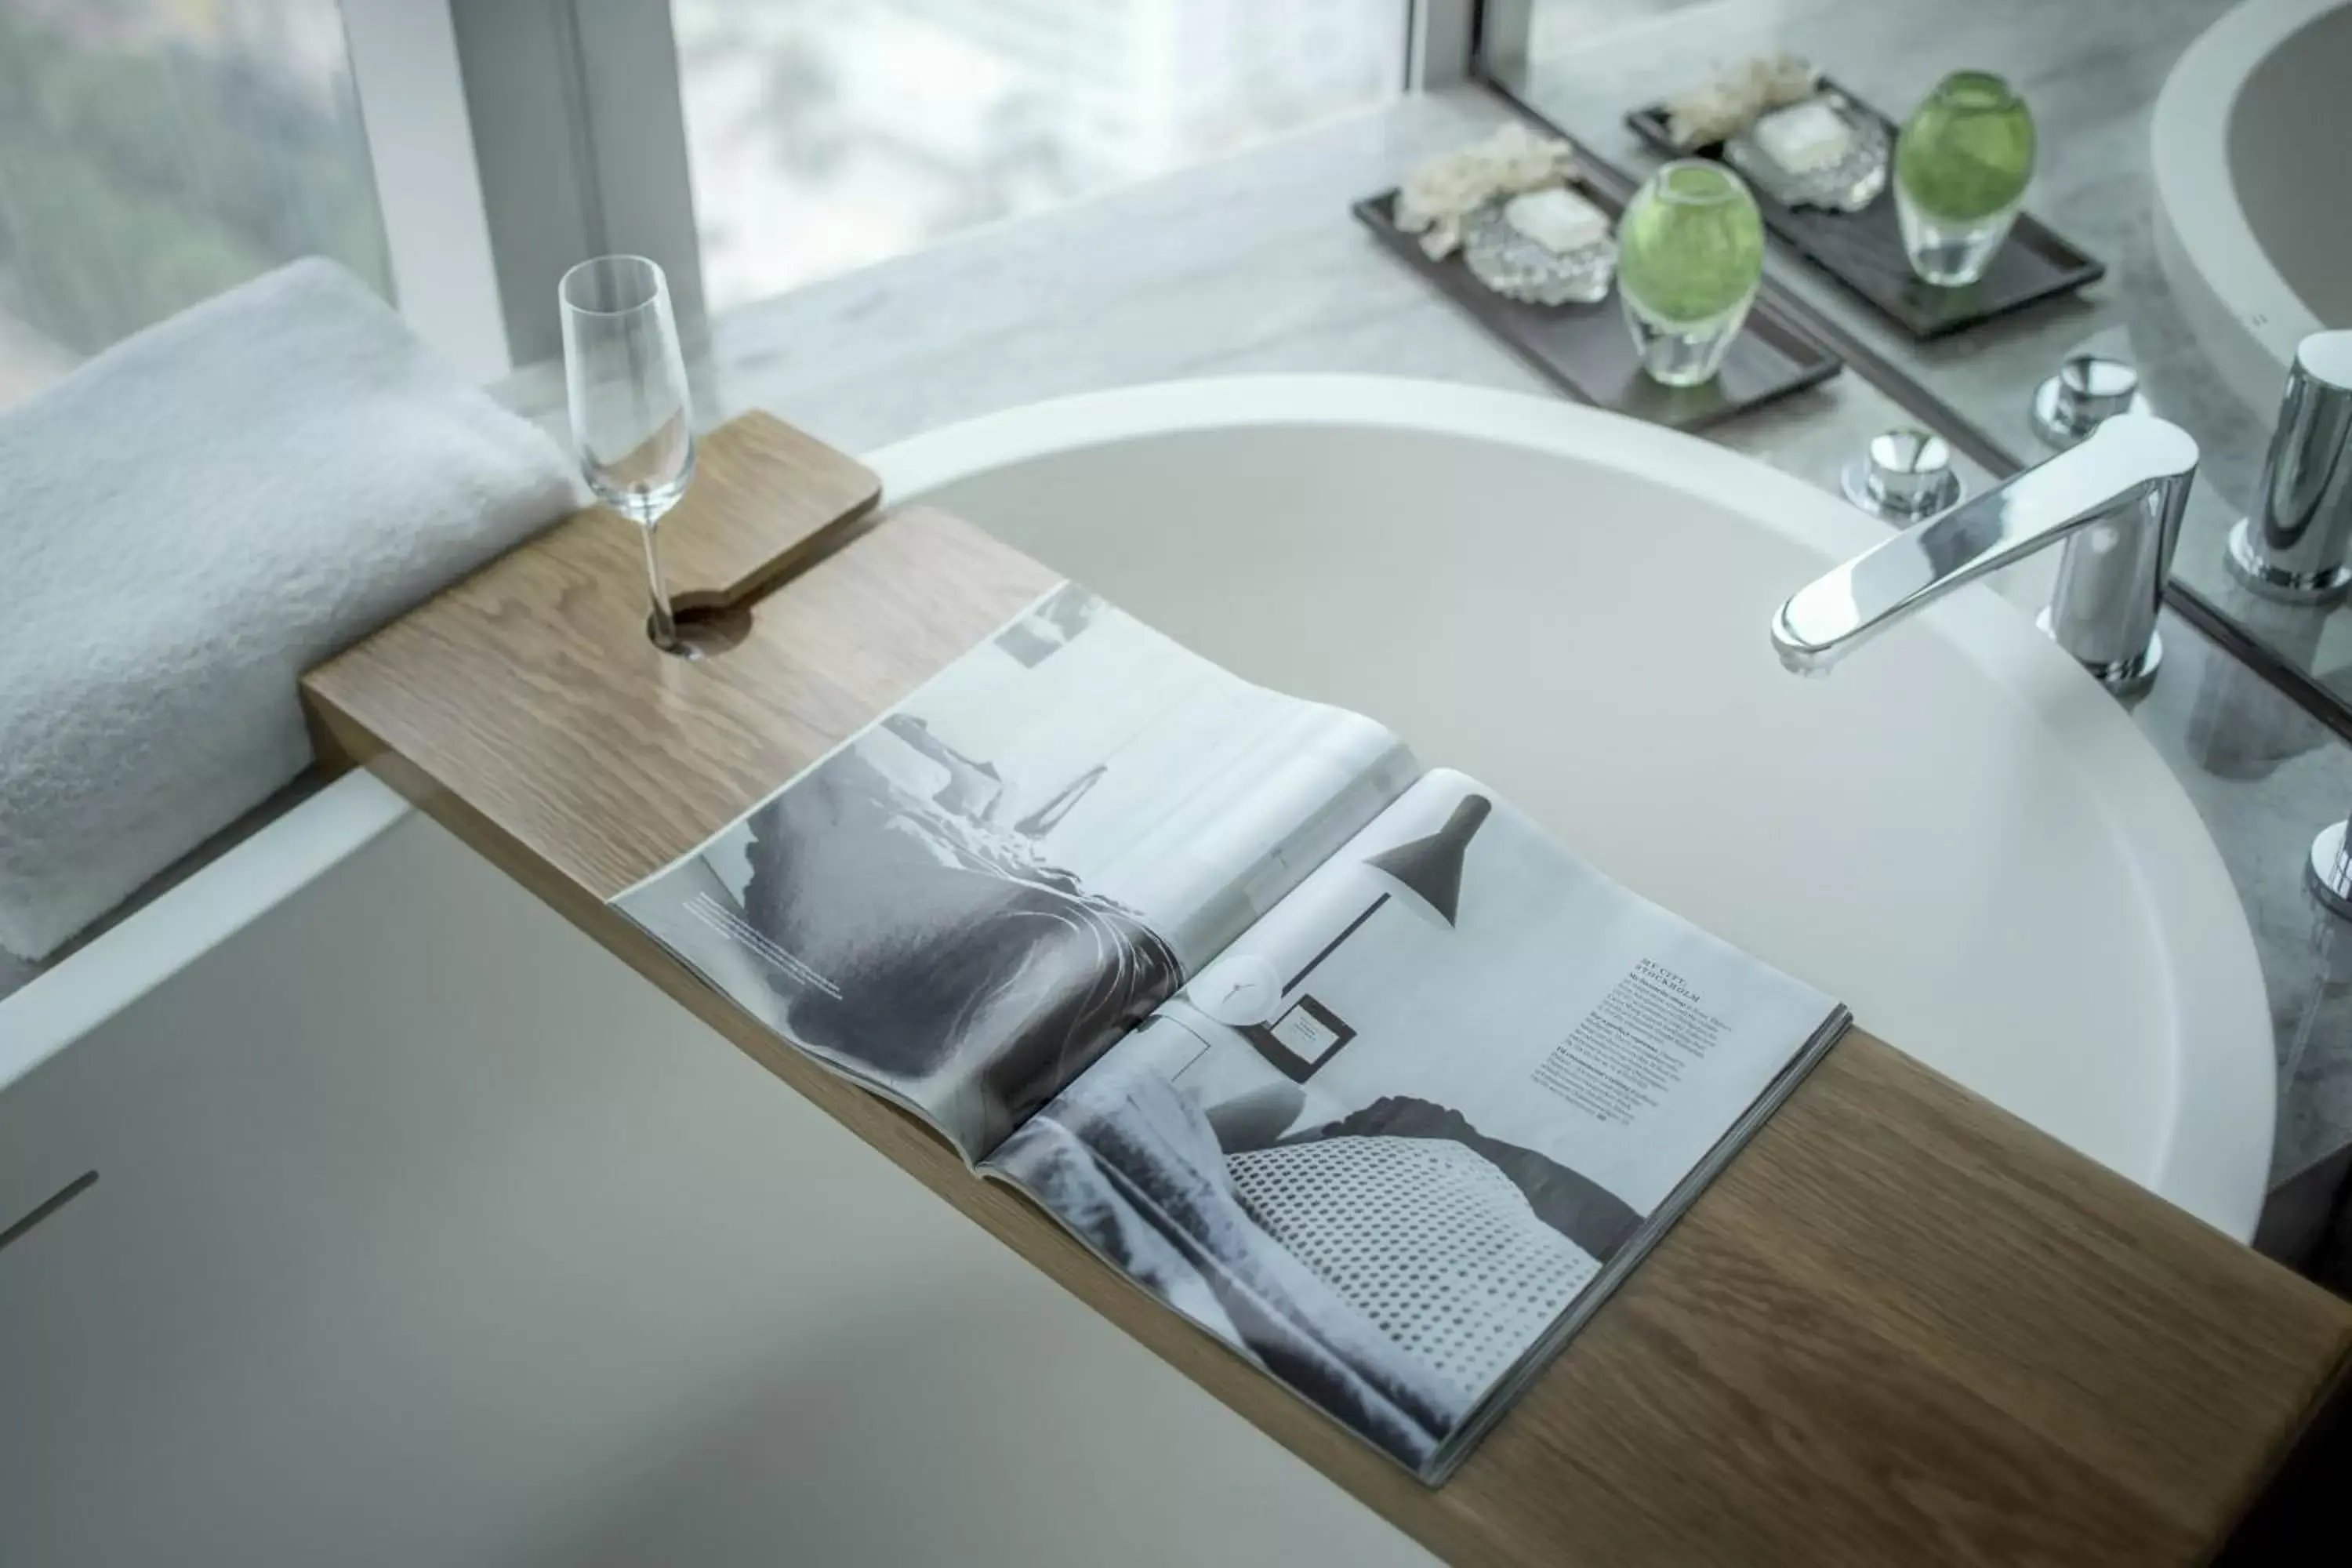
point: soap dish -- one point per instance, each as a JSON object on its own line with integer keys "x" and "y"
{"x": 1519, "y": 266}
{"x": 1847, "y": 184}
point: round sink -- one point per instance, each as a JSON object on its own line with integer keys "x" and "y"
{"x": 2251, "y": 226}
{"x": 1958, "y": 833}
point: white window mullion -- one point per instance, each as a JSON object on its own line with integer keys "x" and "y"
{"x": 411, "y": 95}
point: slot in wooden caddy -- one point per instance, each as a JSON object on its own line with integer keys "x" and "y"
{"x": 1902, "y": 1327}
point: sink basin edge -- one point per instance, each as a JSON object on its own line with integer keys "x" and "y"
{"x": 2223, "y": 1080}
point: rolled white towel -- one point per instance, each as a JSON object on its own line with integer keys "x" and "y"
{"x": 189, "y": 521}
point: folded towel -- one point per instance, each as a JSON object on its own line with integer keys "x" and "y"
{"x": 188, "y": 522}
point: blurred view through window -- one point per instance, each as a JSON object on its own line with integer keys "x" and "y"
{"x": 153, "y": 152}
{"x": 824, "y": 135}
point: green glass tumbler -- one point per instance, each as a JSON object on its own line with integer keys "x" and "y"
{"x": 1690, "y": 252}
{"x": 1962, "y": 162}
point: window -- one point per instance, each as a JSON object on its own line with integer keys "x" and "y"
{"x": 153, "y": 152}
{"x": 823, "y": 137}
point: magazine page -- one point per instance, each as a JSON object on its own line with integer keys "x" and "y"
{"x": 1395, "y": 1132}
{"x": 968, "y": 900}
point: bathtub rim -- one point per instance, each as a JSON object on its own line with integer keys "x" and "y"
{"x": 142, "y": 951}
{"x": 2222, "y": 1062}
{"x": 2240, "y": 308}
{"x": 2188, "y": 898}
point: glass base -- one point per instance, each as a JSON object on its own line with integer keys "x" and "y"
{"x": 1950, "y": 253}
{"x": 1682, "y": 353}
{"x": 2124, "y": 678}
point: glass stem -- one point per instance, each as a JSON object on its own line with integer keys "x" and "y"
{"x": 664, "y": 624}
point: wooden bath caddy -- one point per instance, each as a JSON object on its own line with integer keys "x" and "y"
{"x": 1902, "y": 1327}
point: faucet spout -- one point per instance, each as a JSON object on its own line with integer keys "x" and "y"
{"x": 2114, "y": 501}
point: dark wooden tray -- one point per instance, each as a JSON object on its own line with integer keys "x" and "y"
{"x": 1864, "y": 250}
{"x": 1588, "y": 351}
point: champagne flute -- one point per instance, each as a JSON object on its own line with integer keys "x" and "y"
{"x": 625, "y": 380}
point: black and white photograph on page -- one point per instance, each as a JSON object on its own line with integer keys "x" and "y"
{"x": 977, "y": 894}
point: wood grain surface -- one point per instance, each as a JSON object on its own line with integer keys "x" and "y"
{"x": 1902, "y": 1327}
{"x": 779, "y": 497}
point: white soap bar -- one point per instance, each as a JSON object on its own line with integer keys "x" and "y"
{"x": 1559, "y": 219}
{"x": 1804, "y": 136}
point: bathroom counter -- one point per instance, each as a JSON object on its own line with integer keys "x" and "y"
{"x": 2090, "y": 73}
{"x": 1900, "y": 1320}
{"x": 1253, "y": 264}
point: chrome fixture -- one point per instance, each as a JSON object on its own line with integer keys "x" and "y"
{"x": 2330, "y": 871}
{"x": 2294, "y": 548}
{"x": 1905, "y": 475}
{"x": 2088, "y": 390}
{"x": 2115, "y": 500}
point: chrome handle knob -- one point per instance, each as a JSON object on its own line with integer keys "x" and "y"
{"x": 1905, "y": 474}
{"x": 2088, "y": 390}
{"x": 2294, "y": 548}
{"x": 2329, "y": 874}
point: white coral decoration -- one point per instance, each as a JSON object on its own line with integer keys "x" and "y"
{"x": 1729, "y": 102}
{"x": 1440, "y": 194}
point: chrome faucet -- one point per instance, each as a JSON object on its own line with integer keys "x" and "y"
{"x": 2297, "y": 545}
{"x": 2114, "y": 501}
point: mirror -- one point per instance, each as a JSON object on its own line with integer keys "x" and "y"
{"x": 2192, "y": 148}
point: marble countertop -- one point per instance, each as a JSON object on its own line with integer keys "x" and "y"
{"x": 2091, "y": 73}
{"x": 1253, "y": 264}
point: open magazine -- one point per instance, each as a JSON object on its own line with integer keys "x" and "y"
{"x": 1346, "y": 1061}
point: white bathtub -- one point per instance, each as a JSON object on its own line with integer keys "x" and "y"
{"x": 424, "y": 1232}
{"x": 2253, "y": 230}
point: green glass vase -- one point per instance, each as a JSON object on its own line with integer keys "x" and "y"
{"x": 1962, "y": 163}
{"x": 1690, "y": 252}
